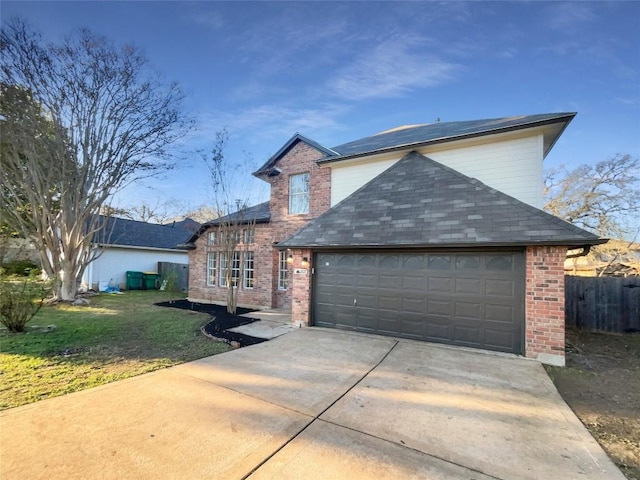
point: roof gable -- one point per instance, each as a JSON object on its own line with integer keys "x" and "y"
{"x": 441, "y": 132}
{"x": 268, "y": 167}
{"x": 419, "y": 202}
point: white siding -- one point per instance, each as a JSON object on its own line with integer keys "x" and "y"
{"x": 114, "y": 263}
{"x": 513, "y": 166}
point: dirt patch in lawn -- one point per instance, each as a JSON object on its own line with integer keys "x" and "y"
{"x": 220, "y": 322}
{"x": 601, "y": 384}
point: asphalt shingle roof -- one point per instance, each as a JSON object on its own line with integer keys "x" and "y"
{"x": 257, "y": 213}
{"x": 441, "y": 132}
{"x": 420, "y": 202}
{"x": 123, "y": 232}
{"x": 260, "y": 213}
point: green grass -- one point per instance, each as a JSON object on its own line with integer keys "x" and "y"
{"x": 116, "y": 337}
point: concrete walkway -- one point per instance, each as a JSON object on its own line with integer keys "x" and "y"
{"x": 312, "y": 404}
{"x": 272, "y": 324}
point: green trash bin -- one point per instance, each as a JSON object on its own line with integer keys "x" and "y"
{"x": 150, "y": 280}
{"x": 134, "y": 280}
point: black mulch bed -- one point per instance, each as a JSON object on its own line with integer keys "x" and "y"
{"x": 221, "y": 321}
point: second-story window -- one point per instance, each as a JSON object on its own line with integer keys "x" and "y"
{"x": 299, "y": 193}
{"x": 247, "y": 236}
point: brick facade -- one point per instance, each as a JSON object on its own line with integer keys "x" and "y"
{"x": 544, "y": 296}
{"x": 300, "y": 158}
{"x": 544, "y": 309}
{"x": 301, "y": 287}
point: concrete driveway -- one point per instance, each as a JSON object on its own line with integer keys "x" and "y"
{"x": 311, "y": 404}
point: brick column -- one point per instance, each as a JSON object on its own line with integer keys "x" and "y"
{"x": 301, "y": 287}
{"x": 545, "y": 304}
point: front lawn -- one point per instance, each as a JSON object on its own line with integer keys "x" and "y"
{"x": 116, "y": 337}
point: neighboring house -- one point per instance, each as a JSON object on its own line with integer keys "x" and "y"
{"x": 618, "y": 258}
{"x": 128, "y": 245}
{"x": 429, "y": 232}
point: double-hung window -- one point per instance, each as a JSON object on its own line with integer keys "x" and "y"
{"x": 283, "y": 271}
{"x": 247, "y": 236}
{"x": 235, "y": 269}
{"x": 224, "y": 267}
{"x": 248, "y": 270}
{"x": 229, "y": 267}
{"x": 211, "y": 269}
{"x": 212, "y": 238}
{"x": 299, "y": 193}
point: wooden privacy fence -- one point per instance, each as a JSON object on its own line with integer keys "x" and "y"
{"x": 179, "y": 271}
{"x": 606, "y": 304}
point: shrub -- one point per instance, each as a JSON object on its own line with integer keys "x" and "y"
{"x": 20, "y": 301}
{"x": 21, "y": 268}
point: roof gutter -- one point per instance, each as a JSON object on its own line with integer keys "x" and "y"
{"x": 571, "y": 245}
{"x": 566, "y": 119}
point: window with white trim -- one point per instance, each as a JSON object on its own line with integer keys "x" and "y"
{"x": 283, "y": 270}
{"x": 224, "y": 266}
{"x": 212, "y": 238}
{"x": 234, "y": 265}
{"x": 248, "y": 236}
{"x": 211, "y": 269}
{"x": 248, "y": 270}
{"x": 299, "y": 193}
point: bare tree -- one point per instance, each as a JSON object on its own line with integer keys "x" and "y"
{"x": 80, "y": 120}
{"x": 600, "y": 197}
{"x": 159, "y": 211}
{"x": 232, "y": 233}
{"x": 202, "y": 213}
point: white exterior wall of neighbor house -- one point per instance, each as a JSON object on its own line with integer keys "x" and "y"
{"x": 114, "y": 262}
{"x": 511, "y": 163}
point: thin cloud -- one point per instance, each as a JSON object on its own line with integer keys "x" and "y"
{"x": 273, "y": 121}
{"x": 570, "y": 15}
{"x": 392, "y": 69}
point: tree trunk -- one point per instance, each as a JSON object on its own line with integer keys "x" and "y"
{"x": 231, "y": 300}
{"x": 66, "y": 287}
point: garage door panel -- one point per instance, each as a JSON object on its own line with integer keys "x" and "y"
{"x": 366, "y": 301}
{"x": 414, "y": 283}
{"x": 499, "y": 339}
{"x": 389, "y": 281}
{"x": 471, "y": 310}
{"x": 345, "y": 318}
{"x": 468, "y": 298}
{"x": 369, "y": 280}
{"x": 499, "y": 288}
{"x": 389, "y": 302}
{"x": 439, "y": 307}
{"x": 466, "y": 286}
{"x": 413, "y": 305}
{"x": 367, "y": 319}
{"x": 440, "y": 331}
{"x": 389, "y": 326}
{"x": 414, "y": 326}
{"x": 346, "y": 279}
{"x": 439, "y": 284}
{"x": 499, "y": 313}
{"x": 468, "y": 335}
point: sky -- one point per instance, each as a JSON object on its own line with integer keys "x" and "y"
{"x": 339, "y": 71}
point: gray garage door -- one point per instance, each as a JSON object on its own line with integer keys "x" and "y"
{"x": 473, "y": 299}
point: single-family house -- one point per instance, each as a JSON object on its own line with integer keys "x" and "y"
{"x": 128, "y": 245}
{"x": 430, "y": 232}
